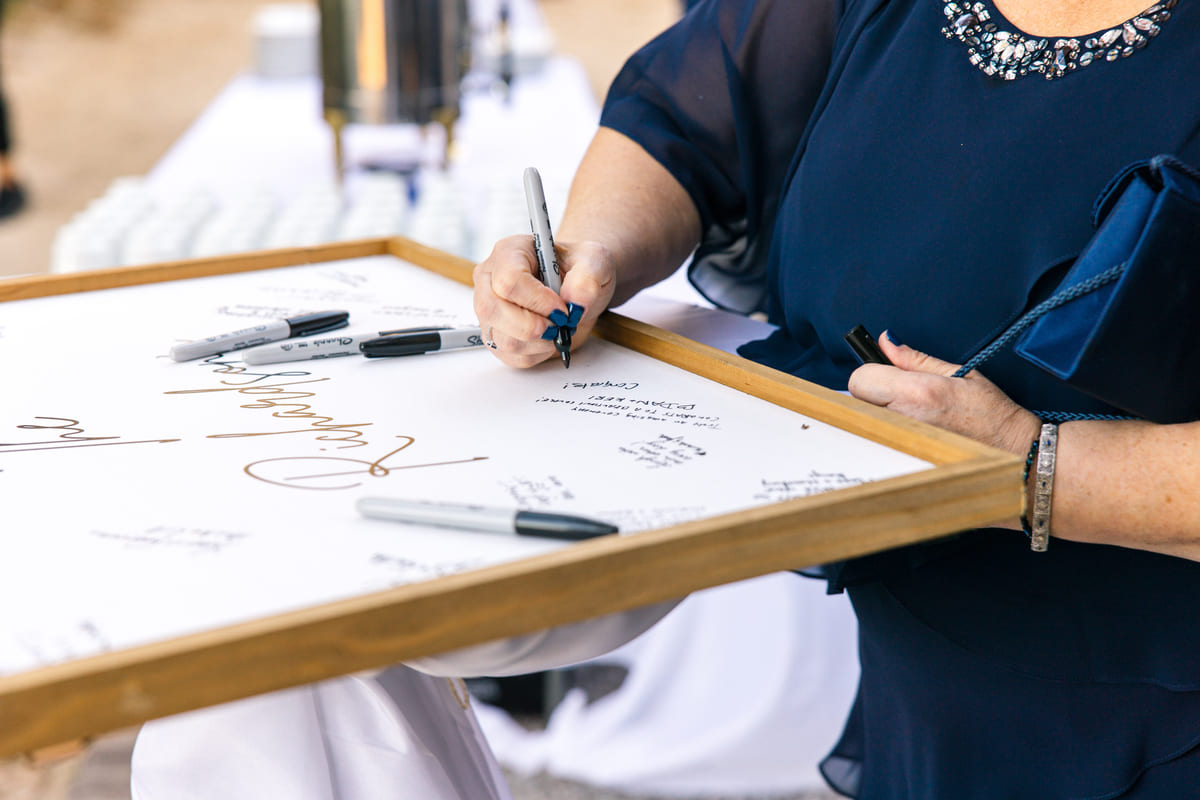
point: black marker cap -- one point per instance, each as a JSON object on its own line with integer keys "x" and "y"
{"x": 319, "y": 322}
{"x": 408, "y": 344}
{"x": 560, "y": 526}
{"x": 865, "y": 347}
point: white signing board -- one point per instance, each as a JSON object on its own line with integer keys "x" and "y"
{"x": 145, "y": 499}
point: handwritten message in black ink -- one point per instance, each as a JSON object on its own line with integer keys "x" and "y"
{"x": 628, "y": 386}
{"x": 399, "y": 570}
{"x": 662, "y": 451}
{"x": 773, "y": 491}
{"x": 545, "y": 492}
{"x": 645, "y": 519}
{"x": 313, "y": 299}
{"x": 82, "y": 638}
{"x": 352, "y": 279}
{"x": 426, "y": 315}
{"x": 256, "y": 312}
{"x": 661, "y": 411}
{"x": 173, "y": 537}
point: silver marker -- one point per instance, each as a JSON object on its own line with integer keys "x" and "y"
{"x": 543, "y": 245}
{"x": 304, "y": 325}
{"x": 484, "y": 518}
{"x": 334, "y": 346}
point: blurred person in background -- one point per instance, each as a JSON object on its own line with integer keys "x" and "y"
{"x": 12, "y": 196}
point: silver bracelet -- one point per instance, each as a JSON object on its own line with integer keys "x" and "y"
{"x": 1043, "y": 488}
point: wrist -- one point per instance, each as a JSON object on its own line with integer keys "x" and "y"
{"x": 1023, "y": 428}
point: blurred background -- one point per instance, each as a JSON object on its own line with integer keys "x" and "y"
{"x": 100, "y": 89}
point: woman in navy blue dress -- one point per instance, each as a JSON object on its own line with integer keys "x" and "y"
{"x": 927, "y": 167}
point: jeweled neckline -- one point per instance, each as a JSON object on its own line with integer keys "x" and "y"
{"x": 1008, "y": 55}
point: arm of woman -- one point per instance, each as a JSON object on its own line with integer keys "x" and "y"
{"x": 628, "y": 224}
{"x": 1126, "y": 483}
{"x": 697, "y": 132}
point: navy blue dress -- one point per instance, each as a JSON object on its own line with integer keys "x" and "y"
{"x": 851, "y": 163}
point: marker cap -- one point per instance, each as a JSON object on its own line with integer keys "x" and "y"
{"x": 409, "y": 344}
{"x": 319, "y": 322}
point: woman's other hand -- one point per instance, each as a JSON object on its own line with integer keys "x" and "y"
{"x": 922, "y": 387}
{"x": 514, "y": 307}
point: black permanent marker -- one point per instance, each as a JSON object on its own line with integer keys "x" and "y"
{"x": 543, "y": 245}
{"x": 334, "y": 346}
{"x": 865, "y": 347}
{"x": 304, "y": 325}
{"x": 483, "y": 518}
{"x": 412, "y": 343}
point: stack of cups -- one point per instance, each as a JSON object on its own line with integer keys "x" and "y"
{"x": 380, "y": 207}
{"x": 94, "y": 238}
{"x": 439, "y": 218}
{"x": 167, "y": 232}
{"x": 238, "y": 226}
{"x": 309, "y": 220}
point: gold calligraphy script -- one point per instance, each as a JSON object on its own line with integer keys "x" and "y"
{"x": 70, "y": 436}
{"x": 286, "y": 402}
{"x": 332, "y": 472}
{"x": 283, "y": 401}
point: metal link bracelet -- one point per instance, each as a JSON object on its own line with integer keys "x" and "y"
{"x": 1043, "y": 487}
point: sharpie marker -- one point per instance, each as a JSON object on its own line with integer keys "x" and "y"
{"x": 320, "y": 347}
{"x": 543, "y": 245}
{"x": 483, "y": 518}
{"x": 429, "y": 340}
{"x": 865, "y": 347}
{"x": 304, "y": 325}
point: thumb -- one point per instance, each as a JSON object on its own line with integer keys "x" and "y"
{"x": 589, "y": 278}
{"x": 910, "y": 360}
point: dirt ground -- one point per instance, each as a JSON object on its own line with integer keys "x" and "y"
{"x": 101, "y": 88}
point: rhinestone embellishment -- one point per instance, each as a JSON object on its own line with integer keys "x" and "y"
{"x": 1008, "y": 55}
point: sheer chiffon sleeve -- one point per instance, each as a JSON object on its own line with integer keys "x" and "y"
{"x": 721, "y": 99}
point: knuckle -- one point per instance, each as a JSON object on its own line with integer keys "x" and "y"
{"x": 483, "y": 302}
{"x": 532, "y": 327}
{"x": 505, "y": 283}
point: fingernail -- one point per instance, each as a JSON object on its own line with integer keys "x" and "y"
{"x": 574, "y": 314}
{"x": 892, "y": 339}
{"x": 558, "y": 317}
{"x": 551, "y": 333}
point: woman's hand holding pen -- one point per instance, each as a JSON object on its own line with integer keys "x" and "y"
{"x": 627, "y": 224}
{"x": 514, "y": 307}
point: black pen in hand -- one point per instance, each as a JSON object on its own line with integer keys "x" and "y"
{"x": 543, "y": 245}
{"x": 865, "y": 347}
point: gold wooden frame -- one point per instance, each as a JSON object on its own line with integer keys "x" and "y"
{"x": 970, "y": 485}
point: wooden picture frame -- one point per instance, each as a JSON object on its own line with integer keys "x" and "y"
{"x": 970, "y": 485}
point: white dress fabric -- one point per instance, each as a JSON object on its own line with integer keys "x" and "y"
{"x": 401, "y": 734}
{"x": 740, "y": 691}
